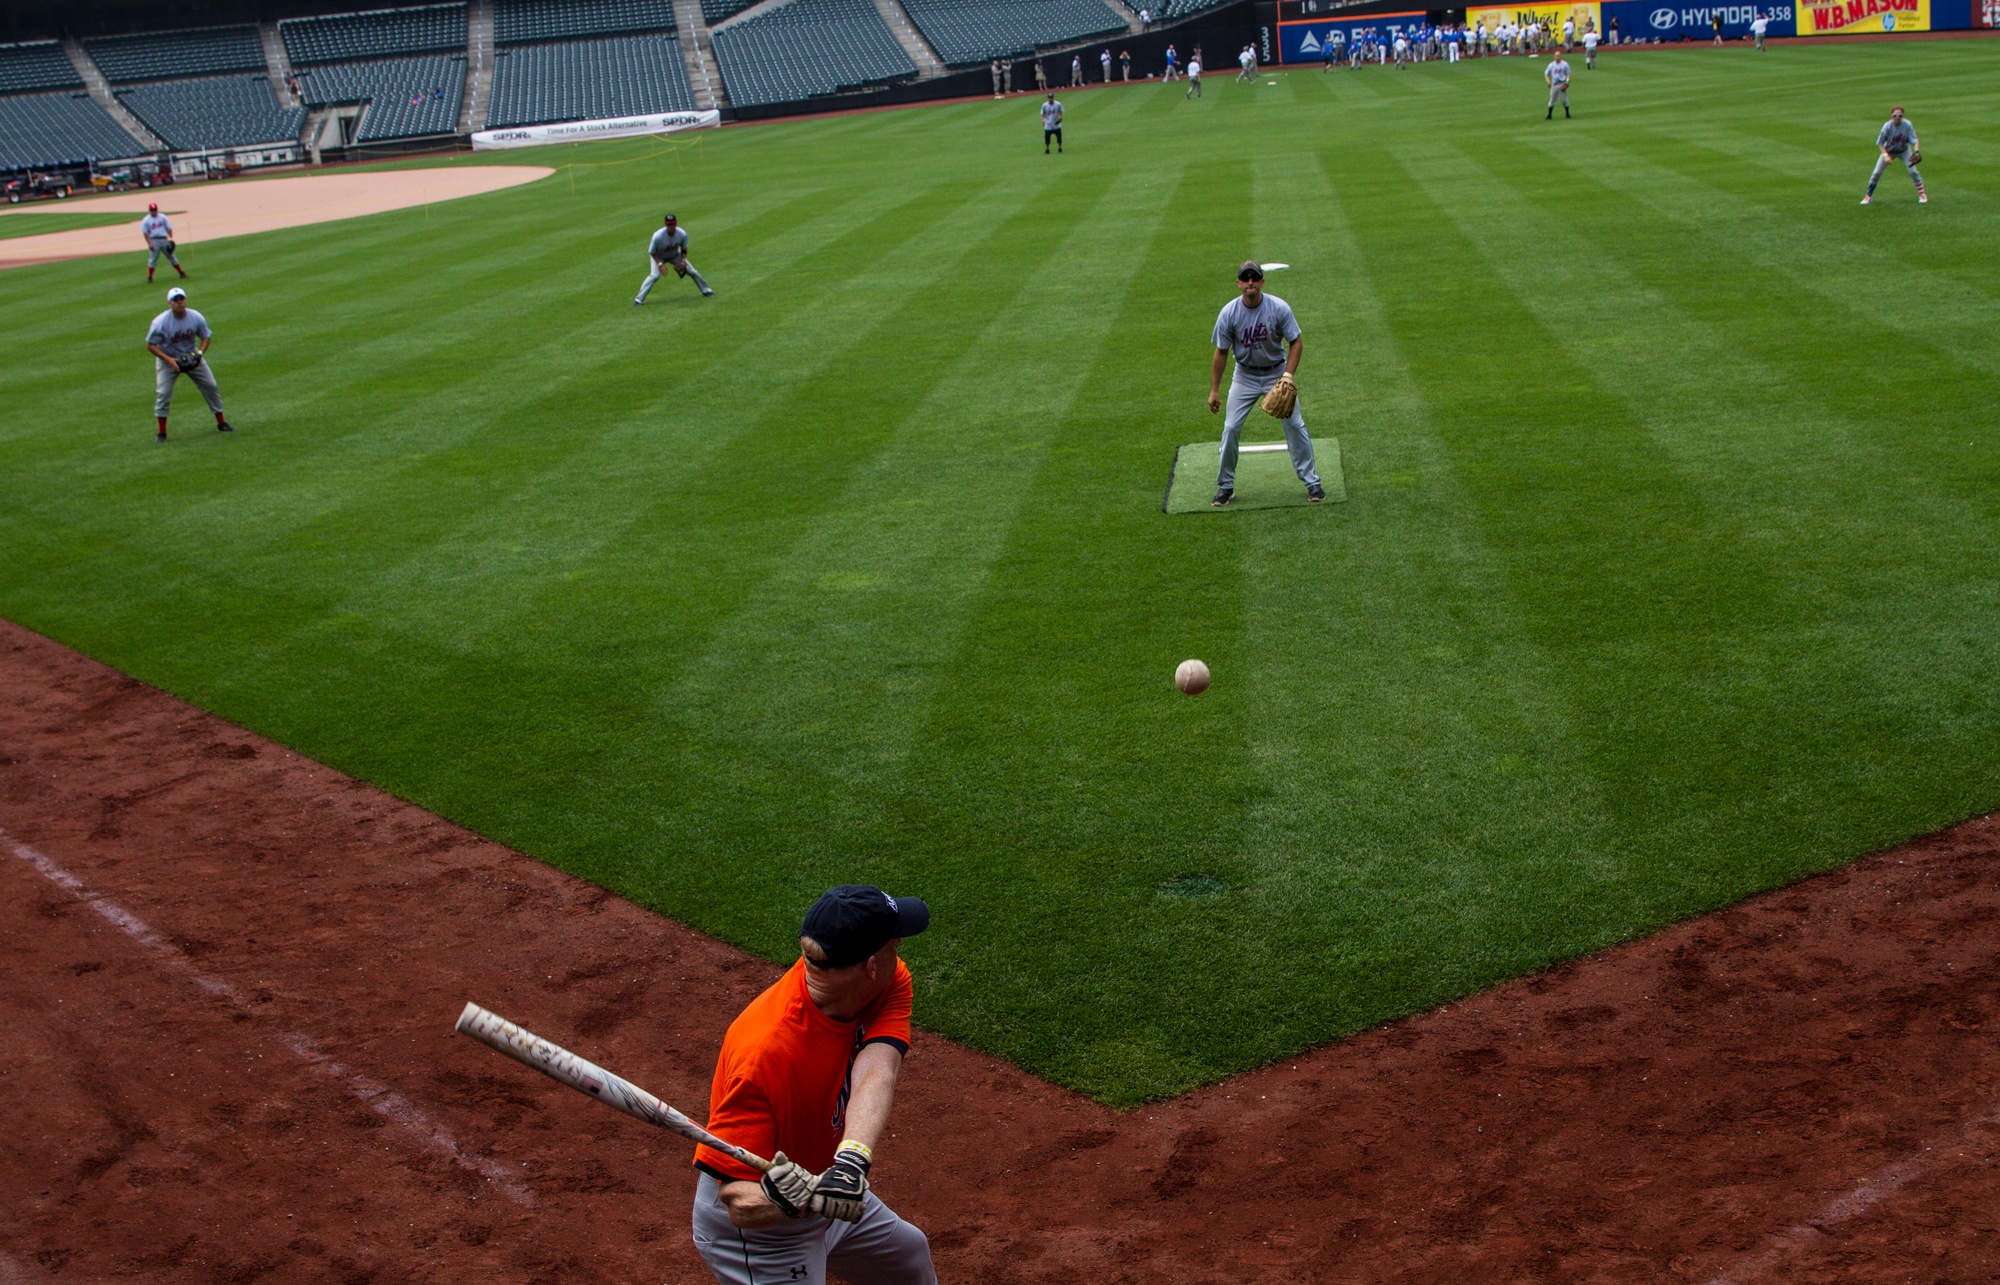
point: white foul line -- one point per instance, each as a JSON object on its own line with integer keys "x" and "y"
{"x": 1877, "y": 1187}
{"x": 377, "y": 1096}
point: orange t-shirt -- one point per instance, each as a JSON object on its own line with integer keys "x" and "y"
{"x": 785, "y": 1072}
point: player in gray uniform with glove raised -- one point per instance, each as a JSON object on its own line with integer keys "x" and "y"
{"x": 1260, "y": 331}
{"x": 178, "y": 340}
{"x": 159, "y": 234}
{"x": 669, "y": 249}
{"x": 1897, "y": 141}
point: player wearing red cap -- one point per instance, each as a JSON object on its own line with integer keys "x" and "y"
{"x": 159, "y": 236}
{"x": 806, "y": 1076}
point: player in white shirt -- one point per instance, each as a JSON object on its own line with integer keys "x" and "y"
{"x": 1247, "y": 60}
{"x": 1402, "y": 52}
{"x": 1758, "y": 26}
{"x": 1589, "y": 50}
{"x": 1194, "y": 78}
{"x": 1052, "y": 113}
{"x": 159, "y": 236}
{"x": 178, "y": 340}
{"x": 1569, "y": 33}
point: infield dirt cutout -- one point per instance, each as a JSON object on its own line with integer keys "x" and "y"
{"x": 231, "y": 975}
{"x": 203, "y": 211}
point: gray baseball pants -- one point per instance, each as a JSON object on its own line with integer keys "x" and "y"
{"x": 881, "y": 1249}
{"x": 1882, "y": 163}
{"x": 1245, "y": 388}
{"x": 164, "y": 375}
{"x": 646, "y": 286}
{"x": 159, "y": 248}
{"x": 1559, "y": 94}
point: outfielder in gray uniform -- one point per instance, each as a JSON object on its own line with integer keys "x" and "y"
{"x": 1260, "y": 331}
{"x": 669, "y": 249}
{"x": 178, "y": 340}
{"x": 159, "y": 234}
{"x": 1557, "y": 74}
{"x": 1897, "y": 141}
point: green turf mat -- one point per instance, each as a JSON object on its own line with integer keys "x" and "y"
{"x": 1264, "y": 478}
{"x": 26, "y": 224}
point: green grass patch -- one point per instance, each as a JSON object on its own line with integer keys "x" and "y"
{"x": 1666, "y": 575}
{"x": 34, "y": 223}
{"x": 1264, "y": 477}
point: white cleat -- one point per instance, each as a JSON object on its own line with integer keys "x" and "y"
{"x": 1923, "y": 199}
{"x": 1868, "y": 200}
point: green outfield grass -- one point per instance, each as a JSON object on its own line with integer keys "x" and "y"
{"x": 35, "y": 222}
{"x": 1668, "y": 572}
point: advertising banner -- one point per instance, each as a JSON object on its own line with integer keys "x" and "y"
{"x": 1550, "y": 15}
{"x": 1986, "y": 13}
{"x": 584, "y": 131}
{"x": 1307, "y": 41}
{"x": 1650, "y": 20}
{"x": 1852, "y": 17}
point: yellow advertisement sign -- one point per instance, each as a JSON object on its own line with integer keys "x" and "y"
{"x": 1852, "y": 17}
{"x": 1588, "y": 17}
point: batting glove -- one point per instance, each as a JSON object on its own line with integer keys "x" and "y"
{"x": 790, "y": 1186}
{"x": 842, "y": 1190}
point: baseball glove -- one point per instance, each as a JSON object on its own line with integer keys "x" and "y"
{"x": 1283, "y": 398}
{"x": 187, "y": 361}
{"x": 171, "y": 247}
{"x": 1916, "y": 158}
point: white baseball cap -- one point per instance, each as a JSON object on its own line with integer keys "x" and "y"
{"x": 176, "y": 293}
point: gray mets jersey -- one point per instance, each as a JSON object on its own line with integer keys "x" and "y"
{"x": 1557, "y": 72}
{"x": 178, "y": 335}
{"x": 156, "y": 229}
{"x": 1896, "y": 137}
{"x": 1256, "y": 337}
{"x": 671, "y": 246}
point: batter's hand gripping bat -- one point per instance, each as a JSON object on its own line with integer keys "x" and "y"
{"x": 558, "y": 1063}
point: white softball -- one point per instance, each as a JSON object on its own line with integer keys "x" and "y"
{"x": 1191, "y": 677}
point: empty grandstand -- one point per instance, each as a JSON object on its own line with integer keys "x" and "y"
{"x": 716, "y": 10}
{"x": 59, "y": 129}
{"x": 518, "y": 22}
{"x": 973, "y": 31}
{"x": 166, "y": 55}
{"x": 808, "y": 47}
{"x": 589, "y": 80}
{"x": 1178, "y": 9}
{"x": 406, "y": 97}
{"x": 384, "y": 33}
{"x": 214, "y": 112}
{"x": 42, "y": 65}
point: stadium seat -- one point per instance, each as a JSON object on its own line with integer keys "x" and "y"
{"x": 220, "y": 111}
{"x": 42, "y": 65}
{"x": 975, "y": 31}
{"x": 60, "y": 129}
{"x": 353, "y": 37}
{"x": 809, "y": 47}
{"x": 588, "y": 80}
{"x": 716, "y": 10}
{"x": 407, "y": 97}
{"x": 517, "y": 22}
{"x": 1177, "y": 9}
{"x": 166, "y": 55}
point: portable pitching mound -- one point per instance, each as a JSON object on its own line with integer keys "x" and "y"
{"x": 1264, "y": 477}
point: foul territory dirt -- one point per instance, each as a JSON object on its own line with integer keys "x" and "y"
{"x": 228, "y": 977}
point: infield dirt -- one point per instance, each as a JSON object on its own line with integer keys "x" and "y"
{"x": 231, "y": 974}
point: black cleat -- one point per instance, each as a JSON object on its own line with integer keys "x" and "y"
{"x": 708, "y": 294}
{"x": 225, "y": 427}
{"x": 1315, "y": 493}
{"x": 1224, "y": 496}
{"x": 160, "y": 439}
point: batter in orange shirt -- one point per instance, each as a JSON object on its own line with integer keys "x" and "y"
{"x": 807, "y": 1076}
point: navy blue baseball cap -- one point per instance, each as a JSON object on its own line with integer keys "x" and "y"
{"x": 855, "y": 920}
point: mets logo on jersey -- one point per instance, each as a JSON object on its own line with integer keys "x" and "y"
{"x": 1259, "y": 333}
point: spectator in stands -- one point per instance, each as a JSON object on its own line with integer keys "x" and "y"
{"x": 1041, "y": 76}
{"x": 293, "y": 83}
{"x": 1104, "y": 60}
{"x": 1145, "y": 19}
{"x": 1125, "y": 63}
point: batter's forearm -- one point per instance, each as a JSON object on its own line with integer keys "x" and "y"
{"x": 1215, "y": 371}
{"x": 749, "y": 1207}
{"x": 1292, "y": 357}
{"x": 875, "y": 1071}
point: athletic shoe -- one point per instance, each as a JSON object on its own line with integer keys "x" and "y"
{"x": 160, "y": 440}
{"x": 1922, "y": 199}
{"x": 1315, "y": 493}
{"x": 708, "y": 294}
{"x": 1222, "y": 497}
{"x": 638, "y": 303}
{"x": 225, "y": 427}
{"x": 1868, "y": 200}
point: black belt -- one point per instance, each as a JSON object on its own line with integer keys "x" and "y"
{"x": 1260, "y": 370}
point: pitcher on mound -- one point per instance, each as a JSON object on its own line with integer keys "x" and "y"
{"x": 1260, "y": 331}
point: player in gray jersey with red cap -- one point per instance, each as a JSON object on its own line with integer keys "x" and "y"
{"x": 1260, "y": 331}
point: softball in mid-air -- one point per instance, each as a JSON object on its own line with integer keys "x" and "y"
{"x": 1191, "y": 677}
